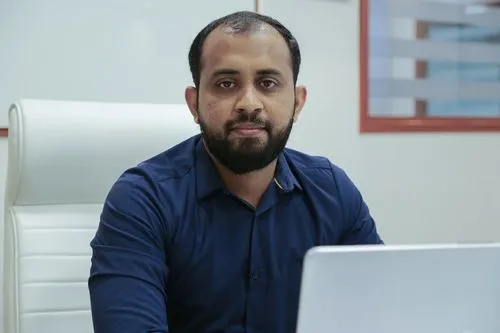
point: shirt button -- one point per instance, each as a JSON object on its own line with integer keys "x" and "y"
{"x": 254, "y": 276}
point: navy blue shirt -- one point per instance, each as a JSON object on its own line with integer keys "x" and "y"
{"x": 176, "y": 252}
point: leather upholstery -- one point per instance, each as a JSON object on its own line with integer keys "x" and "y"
{"x": 63, "y": 158}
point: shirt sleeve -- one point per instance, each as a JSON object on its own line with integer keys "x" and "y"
{"x": 358, "y": 226}
{"x": 128, "y": 269}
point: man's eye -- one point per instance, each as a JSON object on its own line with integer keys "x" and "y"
{"x": 226, "y": 84}
{"x": 268, "y": 84}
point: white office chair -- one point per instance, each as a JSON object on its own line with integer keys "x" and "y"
{"x": 63, "y": 158}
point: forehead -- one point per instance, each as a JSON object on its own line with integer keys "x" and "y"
{"x": 257, "y": 49}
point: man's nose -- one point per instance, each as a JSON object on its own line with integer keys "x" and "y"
{"x": 249, "y": 101}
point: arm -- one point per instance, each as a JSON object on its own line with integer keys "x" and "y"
{"x": 128, "y": 272}
{"x": 358, "y": 225}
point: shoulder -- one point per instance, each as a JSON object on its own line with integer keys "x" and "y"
{"x": 317, "y": 169}
{"x": 173, "y": 163}
{"x": 331, "y": 190}
{"x": 303, "y": 161}
{"x": 324, "y": 180}
{"x": 151, "y": 182}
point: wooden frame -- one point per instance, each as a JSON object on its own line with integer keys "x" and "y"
{"x": 420, "y": 122}
{"x": 258, "y": 6}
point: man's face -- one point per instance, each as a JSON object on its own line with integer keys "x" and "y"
{"x": 246, "y": 101}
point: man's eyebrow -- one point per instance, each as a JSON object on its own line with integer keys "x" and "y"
{"x": 225, "y": 71}
{"x": 269, "y": 71}
{"x": 260, "y": 72}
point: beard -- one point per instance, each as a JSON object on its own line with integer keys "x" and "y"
{"x": 244, "y": 155}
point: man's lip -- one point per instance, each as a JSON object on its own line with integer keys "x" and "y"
{"x": 248, "y": 127}
{"x": 247, "y": 131}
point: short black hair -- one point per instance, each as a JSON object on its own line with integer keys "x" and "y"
{"x": 241, "y": 22}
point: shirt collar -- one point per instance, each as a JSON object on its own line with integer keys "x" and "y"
{"x": 208, "y": 179}
{"x": 284, "y": 178}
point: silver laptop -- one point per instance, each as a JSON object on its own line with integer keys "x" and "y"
{"x": 401, "y": 289}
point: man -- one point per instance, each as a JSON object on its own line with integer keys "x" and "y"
{"x": 209, "y": 236}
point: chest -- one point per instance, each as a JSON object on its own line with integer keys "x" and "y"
{"x": 222, "y": 239}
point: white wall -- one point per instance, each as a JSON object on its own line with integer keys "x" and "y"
{"x": 420, "y": 187}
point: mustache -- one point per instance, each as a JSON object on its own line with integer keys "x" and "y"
{"x": 246, "y": 118}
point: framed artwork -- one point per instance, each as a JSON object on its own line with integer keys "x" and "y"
{"x": 429, "y": 65}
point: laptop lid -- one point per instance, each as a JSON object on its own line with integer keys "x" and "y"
{"x": 396, "y": 289}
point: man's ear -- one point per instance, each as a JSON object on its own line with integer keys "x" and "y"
{"x": 191, "y": 96}
{"x": 300, "y": 100}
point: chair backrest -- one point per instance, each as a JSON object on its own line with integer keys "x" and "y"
{"x": 63, "y": 157}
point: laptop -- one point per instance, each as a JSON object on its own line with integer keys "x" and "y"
{"x": 401, "y": 289}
